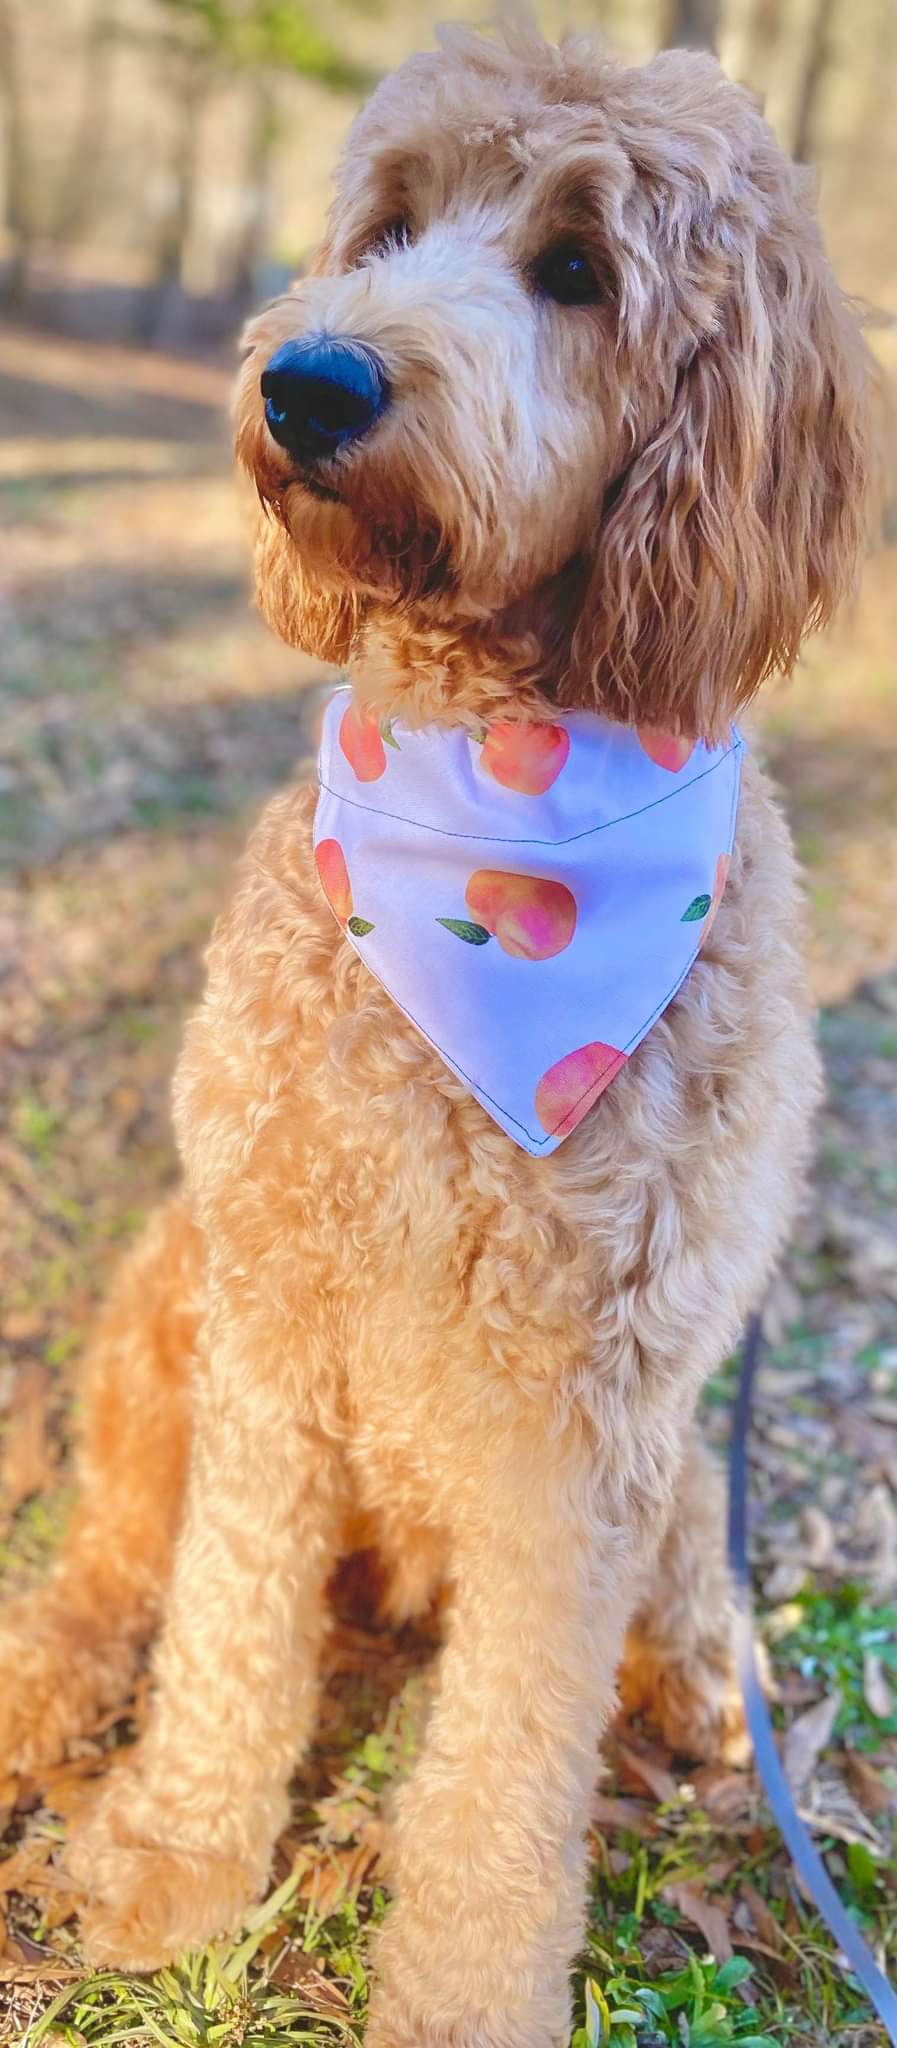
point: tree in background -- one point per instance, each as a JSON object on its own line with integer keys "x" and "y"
{"x": 73, "y": 177}
{"x": 17, "y": 221}
{"x": 814, "y": 74}
{"x": 693, "y": 24}
{"x": 208, "y": 44}
{"x": 79, "y": 187}
{"x": 197, "y": 48}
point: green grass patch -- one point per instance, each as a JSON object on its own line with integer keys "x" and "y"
{"x": 826, "y": 1638}
{"x": 232, "y": 1995}
{"x": 36, "y": 1126}
{"x": 696, "y": 2005}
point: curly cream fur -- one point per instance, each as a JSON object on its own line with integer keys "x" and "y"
{"x": 369, "y": 1317}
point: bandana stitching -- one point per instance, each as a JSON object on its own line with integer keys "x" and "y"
{"x": 500, "y": 839}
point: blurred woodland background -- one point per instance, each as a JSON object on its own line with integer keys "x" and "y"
{"x": 165, "y": 162}
{"x": 164, "y": 165}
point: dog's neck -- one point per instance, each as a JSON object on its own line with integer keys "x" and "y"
{"x": 427, "y": 669}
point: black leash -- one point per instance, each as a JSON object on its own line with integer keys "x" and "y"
{"x": 806, "y": 1859}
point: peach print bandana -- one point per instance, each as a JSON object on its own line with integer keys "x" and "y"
{"x": 531, "y": 896}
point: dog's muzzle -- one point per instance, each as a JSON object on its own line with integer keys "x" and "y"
{"x": 321, "y": 393}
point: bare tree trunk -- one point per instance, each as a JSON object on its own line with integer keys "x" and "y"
{"x": 766, "y": 27}
{"x": 171, "y": 249}
{"x": 17, "y": 217}
{"x": 82, "y": 172}
{"x": 814, "y": 73}
{"x": 692, "y": 24}
{"x": 251, "y": 244}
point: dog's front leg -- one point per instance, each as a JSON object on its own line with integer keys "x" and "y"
{"x": 489, "y": 1859}
{"x": 181, "y": 1837}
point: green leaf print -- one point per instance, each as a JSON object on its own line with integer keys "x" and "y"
{"x": 697, "y": 910}
{"x": 359, "y": 927}
{"x": 388, "y": 736}
{"x": 472, "y": 934}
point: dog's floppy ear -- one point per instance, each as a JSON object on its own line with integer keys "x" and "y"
{"x": 744, "y": 520}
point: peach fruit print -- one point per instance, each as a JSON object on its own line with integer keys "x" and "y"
{"x": 704, "y": 908}
{"x": 333, "y": 875}
{"x": 531, "y": 917}
{"x": 572, "y": 1085}
{"x": 665, "y": 749}
{"x": 527, "y": 758}
{"x": 720, "y": 880}
{"x": 361, "y": 741}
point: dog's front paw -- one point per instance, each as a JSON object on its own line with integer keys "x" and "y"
{"x": 148, "y": 1895}
{"x": 390, "y": 2027}
{"x": 695, "y": 1704}
{"x": 448, "y": 1996}
{"x": 53, "y": 1676}
{"x": 34, "y": 1719}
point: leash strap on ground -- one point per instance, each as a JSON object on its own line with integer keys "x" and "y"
{"x": 807, "y": 1862}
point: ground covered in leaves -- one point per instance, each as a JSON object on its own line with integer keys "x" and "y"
{"x": 144, "y": 716}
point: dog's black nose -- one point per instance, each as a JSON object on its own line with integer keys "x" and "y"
{"x": 322, "y": 392}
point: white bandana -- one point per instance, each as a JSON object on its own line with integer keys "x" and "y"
{"x": 531, "y": 896}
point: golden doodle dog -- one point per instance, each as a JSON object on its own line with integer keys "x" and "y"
{"x": 605, "y": 448}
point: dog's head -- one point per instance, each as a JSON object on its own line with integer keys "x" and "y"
{"x": 570, "y": 388}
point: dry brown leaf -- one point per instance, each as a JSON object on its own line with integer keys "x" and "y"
{"x": 870, "y": 1789}
{"x": 28, "y": 1796}
{"x": 875, "y": 1529}
{"x": 126, "y": 1101}
{"x": 817, "y": 1537}
{"x": 724, "y": 1795}
{"x": 56, "y": 1911}
{"x": 764, "y": 1920}
{"x": 298, "y": 1971}
{"x": 123, "y": 1711}
{"x": 704, "y": 1914}
{"x": 332, "y": 1880}
{"x": 792, "y": 1690}
{"x": 345, "y": 1817}
{"x": 363, "y": 1859}
{"x": 24, "y": 1962}
{"x": 662, "y": 1949}
{"x": 27, "y": 1459}
{"x": 346, "y": 1789}
{"x": 67, "y": 1787}
{"x": 18, "y": 1870}
{"x": 785, "y": 1579}
{"x": 876, "y": 1690}
{"x": 829, "y": 1807}
{"x": 22, "y": 1324}
{"x": 806, "y": 1739}
{"x": 621, "y": 1813}
{"x": 658, "y": 1780}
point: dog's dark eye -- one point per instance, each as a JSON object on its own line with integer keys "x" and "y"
{"x": 568, "y": 275}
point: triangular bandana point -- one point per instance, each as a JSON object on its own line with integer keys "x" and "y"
{"x": 531, "y": 896}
